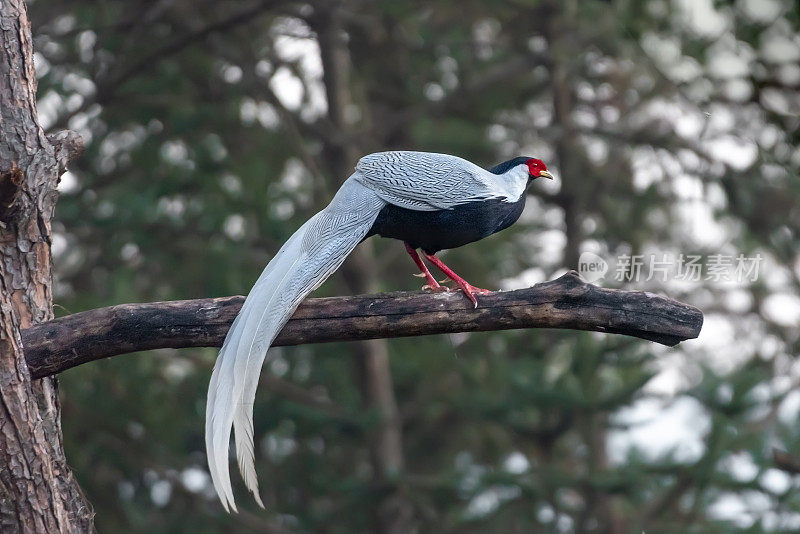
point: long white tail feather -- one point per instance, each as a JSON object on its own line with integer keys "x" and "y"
{"x": 218, "y": 390}
{"x": 312, "y": 254}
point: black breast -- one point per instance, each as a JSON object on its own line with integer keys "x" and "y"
{"x": 437, "y": 230}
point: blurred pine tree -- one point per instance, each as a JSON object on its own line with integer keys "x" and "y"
{"x": 214, "y": 129}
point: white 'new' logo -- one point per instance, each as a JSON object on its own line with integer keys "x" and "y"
{"x": 592, "y": 267}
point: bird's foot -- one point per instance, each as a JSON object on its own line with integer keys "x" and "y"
{"x": 431, "y": 284}
{"x": 470, "y": 291}
{"x": 480, "y": 290}
{"x": 435, "y": 289}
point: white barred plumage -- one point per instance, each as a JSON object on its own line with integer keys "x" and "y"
{"x": 419, "y": 181}
{"x": 428, "y": 181}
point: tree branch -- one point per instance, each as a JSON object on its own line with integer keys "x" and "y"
{"x": 567, "y": 302}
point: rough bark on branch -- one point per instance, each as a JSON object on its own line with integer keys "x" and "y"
{"x": 567, "y": 302}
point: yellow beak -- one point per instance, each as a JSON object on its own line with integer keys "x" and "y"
{"x": 545, "y": 174}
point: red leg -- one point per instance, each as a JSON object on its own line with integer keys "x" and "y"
{"x": 468, "y": 289}
{"x": 431, "y": 284}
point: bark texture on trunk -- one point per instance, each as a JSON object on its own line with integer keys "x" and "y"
{"x": 38, "y": 492}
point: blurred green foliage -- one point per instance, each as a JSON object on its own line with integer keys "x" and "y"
{"x": 211, "y": 136}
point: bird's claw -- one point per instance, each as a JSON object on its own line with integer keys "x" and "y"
{"x": 435, "y": 289}
{"x": 470, "y": 291}
{"x": 480, "y": 291}
{"x": 470, "y": 296}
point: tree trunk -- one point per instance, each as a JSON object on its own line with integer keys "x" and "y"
{"x": 394, "y": 514}
{"x": 38, "y": 492}
{"x": 598, "y": 508}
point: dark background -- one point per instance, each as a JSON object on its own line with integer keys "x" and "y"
{"x": 215, "y": 128}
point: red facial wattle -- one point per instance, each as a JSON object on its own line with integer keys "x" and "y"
{"x": 537, "y": 168}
